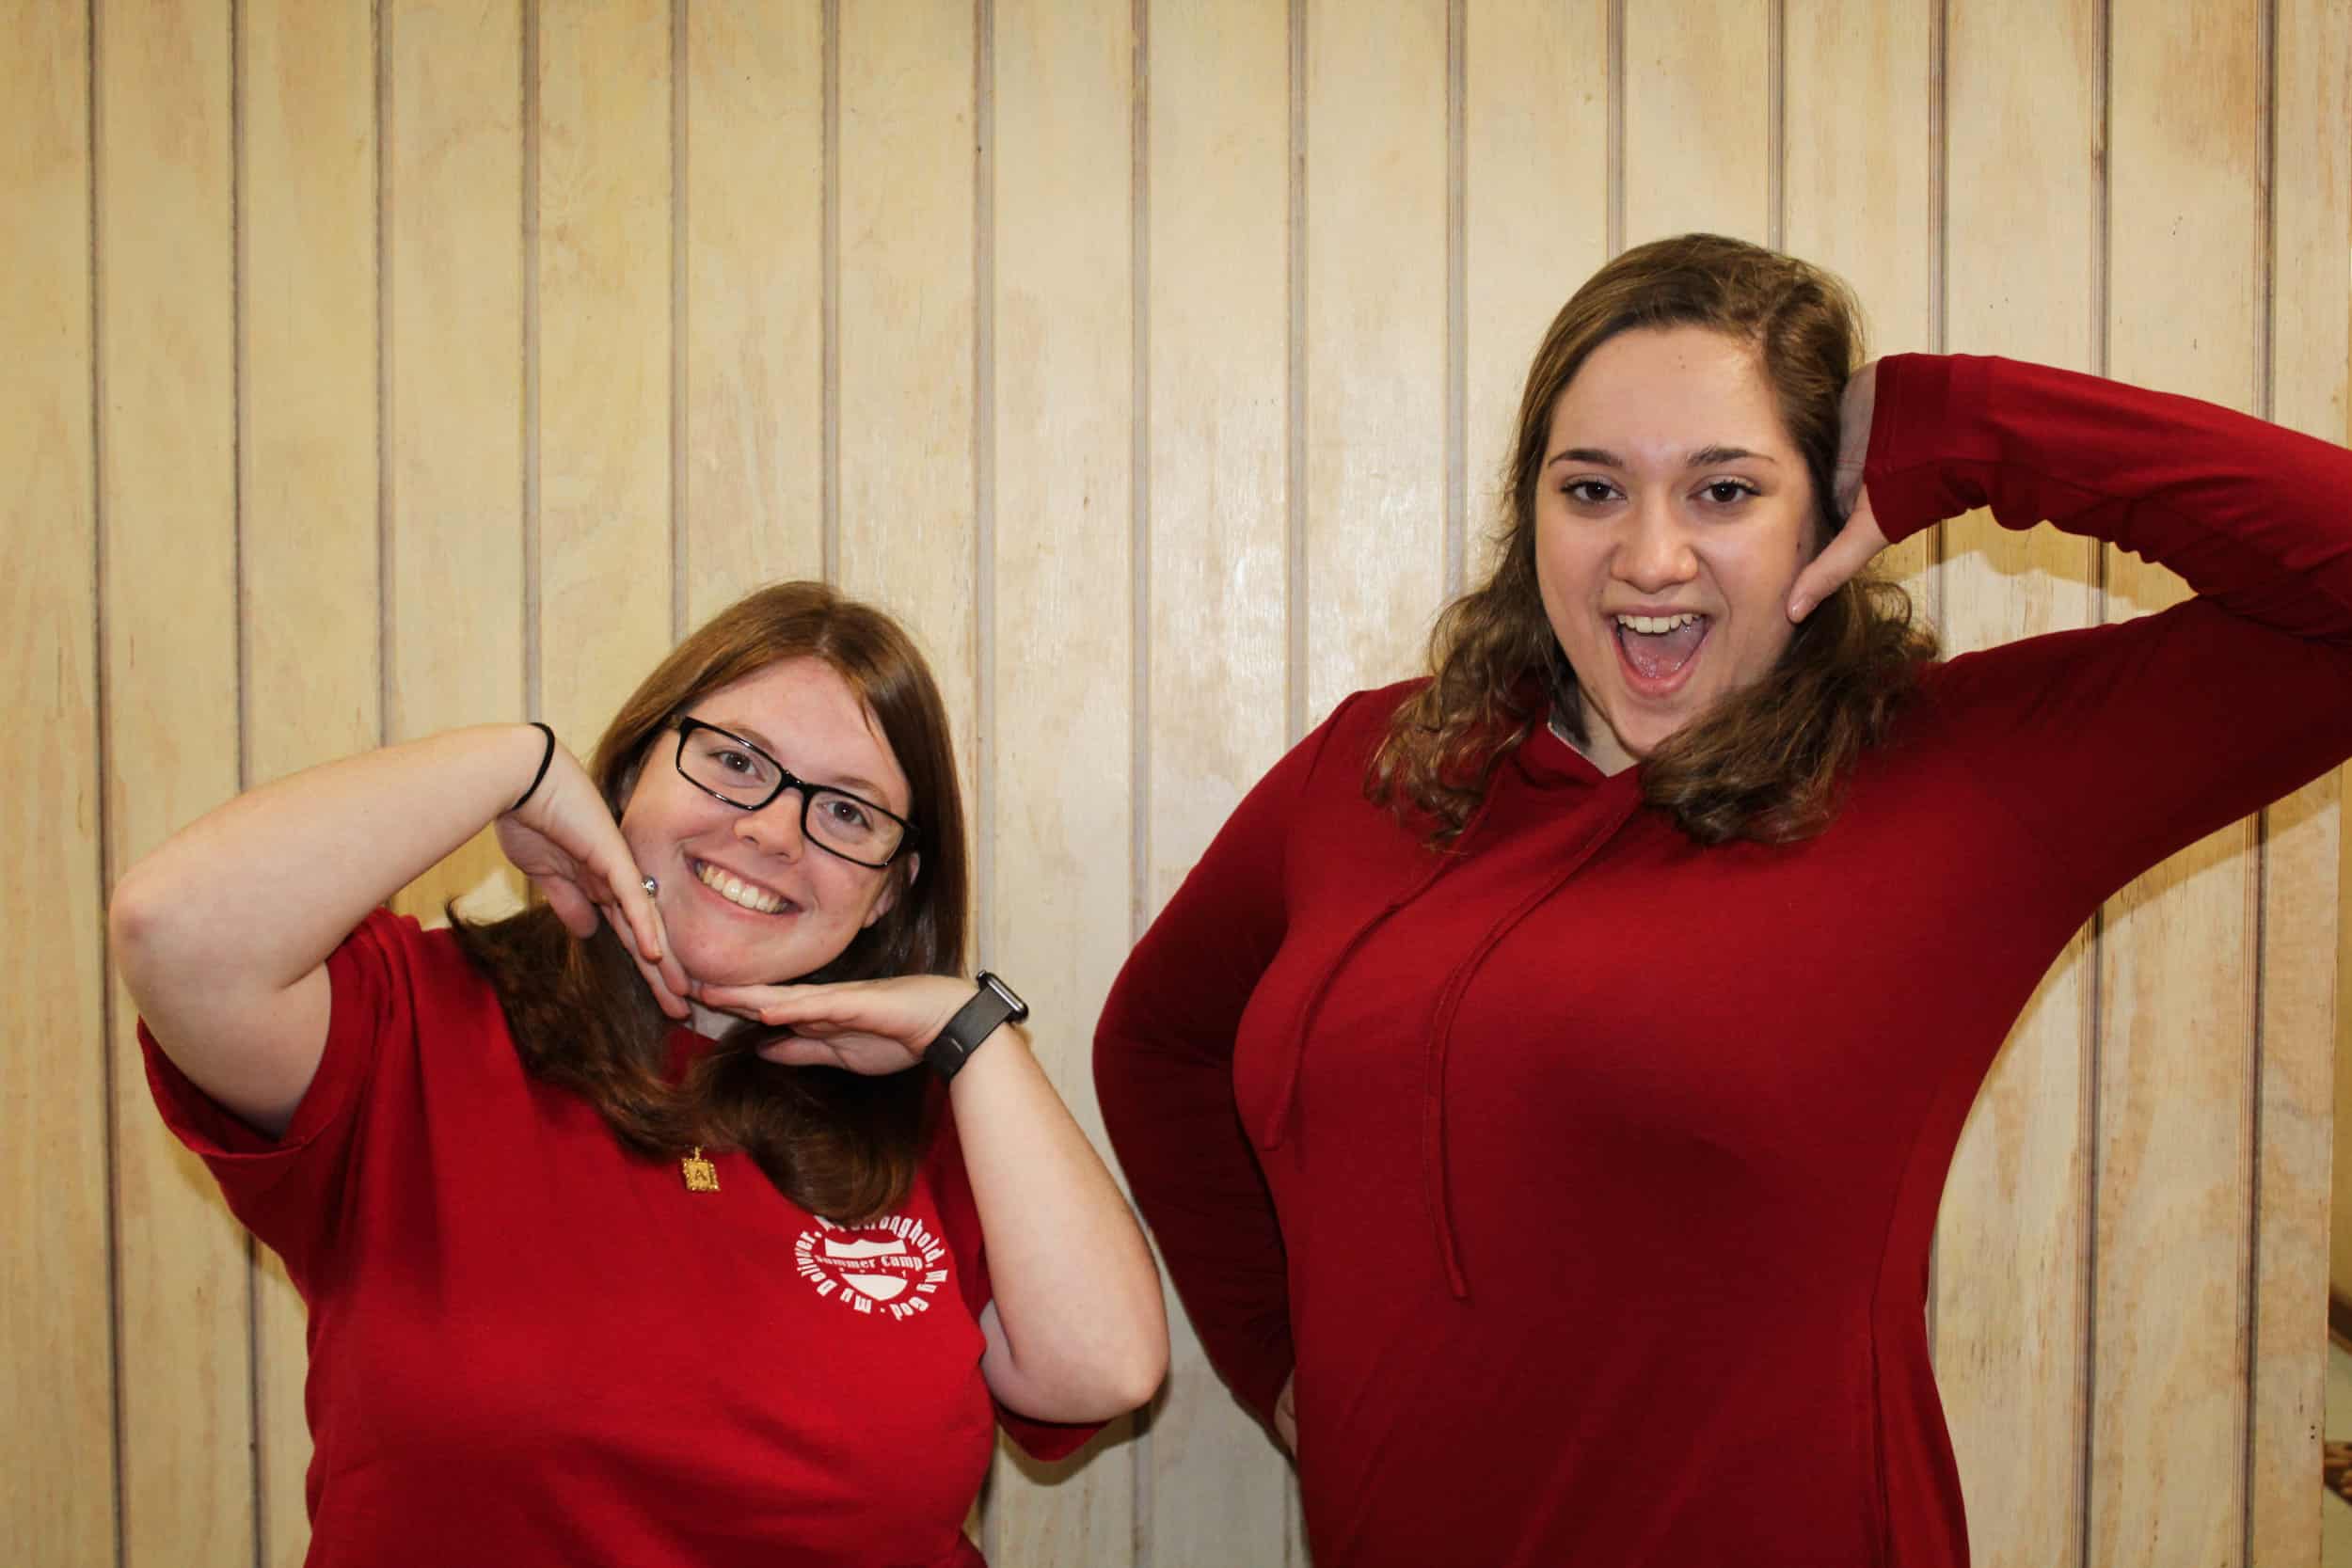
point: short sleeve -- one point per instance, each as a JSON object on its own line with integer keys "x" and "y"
{"x": 959, "y": 1221}
{"x": 288, "y": 1190}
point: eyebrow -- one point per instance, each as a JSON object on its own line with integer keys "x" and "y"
{"x": 1703, "y": 457}
{"x": 849, "y": 784}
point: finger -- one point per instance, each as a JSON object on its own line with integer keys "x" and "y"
{"x": 1840, "y": 558}
{"x": 673, "y": 971}
{"x": 798, "y": 1051}
{"x": 645, "y": 921}
{"x": 673, "y": 1002}
{"x": 745, "y": 999}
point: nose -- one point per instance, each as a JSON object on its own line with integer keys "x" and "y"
{"x": 774, "y": 828}
{"x": 1656, "y": 551}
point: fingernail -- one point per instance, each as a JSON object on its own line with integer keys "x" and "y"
{"x": 1798, "y": 605}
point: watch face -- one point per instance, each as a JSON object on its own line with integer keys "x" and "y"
{"x": 1020, "y": 1008}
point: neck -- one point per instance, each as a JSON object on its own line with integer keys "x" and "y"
{"x": 1600, "y": 746}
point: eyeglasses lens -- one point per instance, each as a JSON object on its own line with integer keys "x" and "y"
{"x": 839, "y": 821}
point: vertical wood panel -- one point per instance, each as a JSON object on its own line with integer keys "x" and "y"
{"x": 908, "y": 315}
{"x": 57, "y": 1449}
{"x": 2177, "y": 956}
{"x": 1534, "y": 213}
{"x": 753, "y": 203}
{"x": 1698, "y": 120}
{"x": 1063, "y": 671}
{"x": 453, "y": 390}
{"x": 2010, "y": 1314}
{"x": 1857, "y": 173}
{"x": 167, "y": 505}
{"x": 1216, "y": 256}
{"x": 308, "y": 540}
{"x": 995, "y": 492}
{"x": 1375, "y": 481}
{"x": 2309, "y": 327}
{"x": 604, "y": 307}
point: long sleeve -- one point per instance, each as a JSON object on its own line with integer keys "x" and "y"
{"x": 1163, "y": 1069}
{"x": 2117, "y": 745}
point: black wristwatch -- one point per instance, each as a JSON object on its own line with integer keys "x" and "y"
{"x": 992, "y": 1005}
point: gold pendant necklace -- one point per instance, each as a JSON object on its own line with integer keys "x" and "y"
{"x": 701, "y": 1175}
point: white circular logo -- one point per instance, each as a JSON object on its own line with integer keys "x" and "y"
{"x": 893, "y": 1266}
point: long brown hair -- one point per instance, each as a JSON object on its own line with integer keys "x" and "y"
{"x": 1763, "y": 762}
{"x": 840, "y": 1144}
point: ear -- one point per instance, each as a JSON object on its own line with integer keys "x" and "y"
{"x": 892, "y": 888}
{"x": 629, "y": 776}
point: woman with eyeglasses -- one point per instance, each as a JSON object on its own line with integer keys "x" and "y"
{"x": 628, "y": 1230}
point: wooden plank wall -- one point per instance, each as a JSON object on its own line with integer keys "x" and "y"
{"x": 375, "y": 368}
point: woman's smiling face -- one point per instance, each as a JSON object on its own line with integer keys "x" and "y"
{"x": 1673, "y": 514}
{"x": 747, "y": 899}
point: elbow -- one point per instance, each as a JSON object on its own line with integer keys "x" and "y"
{"x": 1119, "y": 1386}
{"x": 1129, "y": 1383}
{"x": 137, "y": 919}
{"x": 1132, "y": 1374}
{"x": 1098, "y": 1381}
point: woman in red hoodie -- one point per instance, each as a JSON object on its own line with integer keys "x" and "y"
{"x": 1601, "y": 1010}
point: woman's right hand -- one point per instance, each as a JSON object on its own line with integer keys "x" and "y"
{"x": 1858, "y": 539}
{"x": 1286, "y": 1413}
{"x": 564, "y": 839}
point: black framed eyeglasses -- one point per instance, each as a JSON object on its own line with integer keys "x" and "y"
{"x": 728, "y": 768}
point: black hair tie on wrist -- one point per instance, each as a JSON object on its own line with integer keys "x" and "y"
{"x": 544, "y": 757}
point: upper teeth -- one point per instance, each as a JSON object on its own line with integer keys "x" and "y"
{"x": 1653, "y": 625}
{"x": 728, "y": 885}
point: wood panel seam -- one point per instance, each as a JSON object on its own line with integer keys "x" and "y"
{"x": 386, "y": 599}
{"x": 1295, "y": 415}
{"x": 1139, "y": 517}
{"x": 2265, "y": 263}
{"x": 829, "y": 326}
{"x": 1615, "y": 151}
{"x": 103, "y": 717}
{"x": 1457, "y": 296}
{"x": 680, "y": 436}
{"x": 2094, "y": 983}
{"x": 240, "y": 455}
{"x": 984, "y": 545}
{"x": 1776, "y": 124}
{"x": 535, "y": 698}
{"x": 1142, "y": 1449}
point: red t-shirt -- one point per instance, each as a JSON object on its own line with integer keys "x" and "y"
{"x": 530, "y": 1345}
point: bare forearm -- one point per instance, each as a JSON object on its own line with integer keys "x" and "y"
{"x": 252, "y": 897}
{"x": 1077, "y": 1297}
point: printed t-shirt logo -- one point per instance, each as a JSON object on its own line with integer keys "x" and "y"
{"x": 892, "y": 1268}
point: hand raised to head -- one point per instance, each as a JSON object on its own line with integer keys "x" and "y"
{"x": 563, "y": 838}
{"x": 1860, "y": 539}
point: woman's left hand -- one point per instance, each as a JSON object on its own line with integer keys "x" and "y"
{"x": 869, "y": 1027}
{"x": 1860, "y": 539}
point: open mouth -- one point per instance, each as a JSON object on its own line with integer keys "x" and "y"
{"x": 744, "y": 895}
{"x": 1657, "y": 651}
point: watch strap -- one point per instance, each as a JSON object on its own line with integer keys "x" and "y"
{"x": 994, "y": 1004}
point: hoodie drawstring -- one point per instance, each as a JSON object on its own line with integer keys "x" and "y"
{"x": 1433, "y": 1150}
{"x": 1273, "y": 1127}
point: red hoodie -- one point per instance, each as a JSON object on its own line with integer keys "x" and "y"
{"x": 1589, "y": 1174}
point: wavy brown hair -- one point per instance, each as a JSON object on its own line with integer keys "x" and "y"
{"x": 840, "y": 1144}
{"x": 1763, "y": 762}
